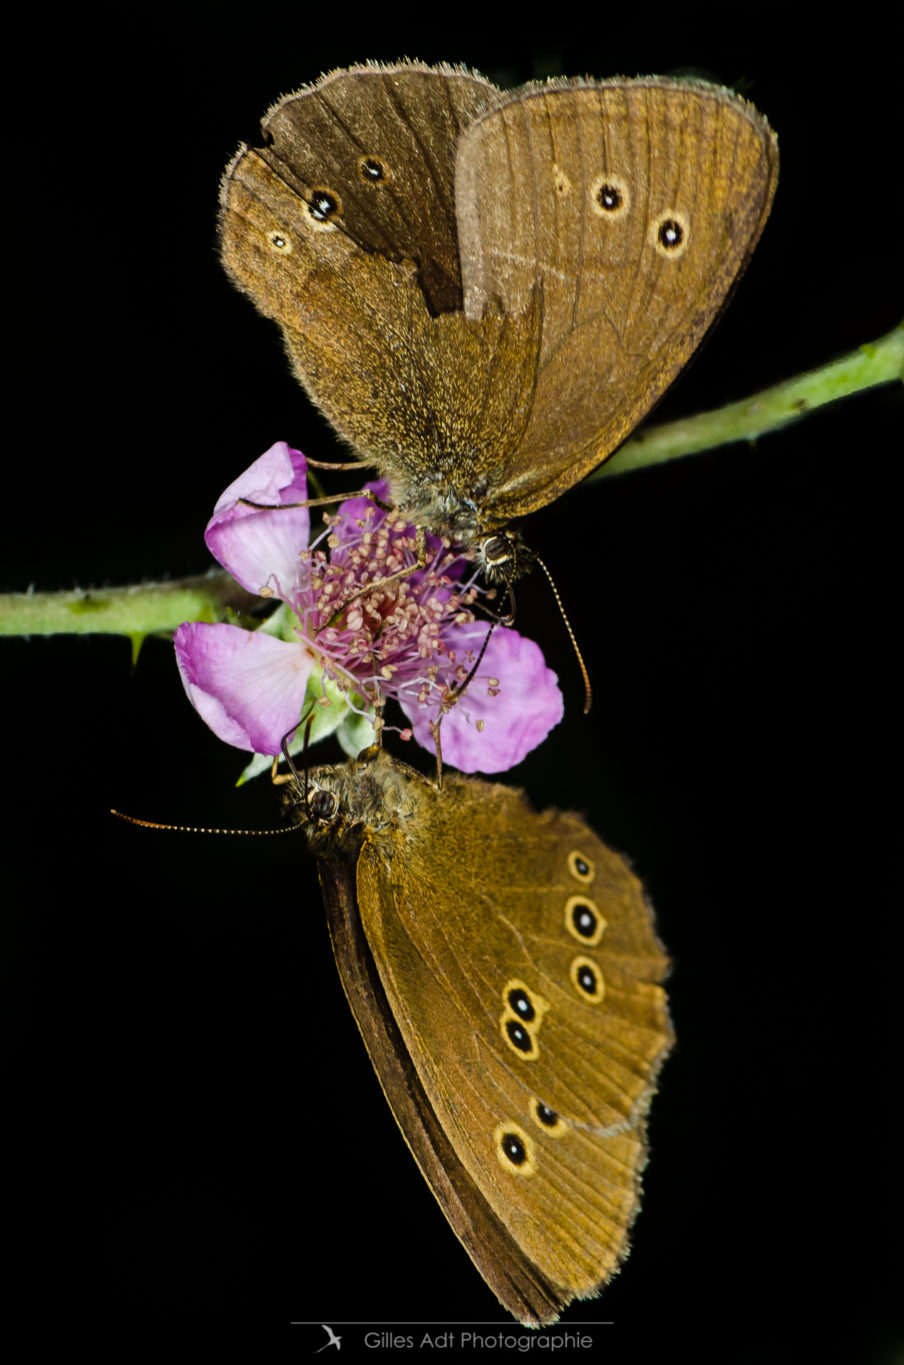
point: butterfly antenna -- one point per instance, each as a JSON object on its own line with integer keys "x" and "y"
{"x": 199, "y": 829}
{"x": 301, "y": 778}
{"x": 588, "y": 691}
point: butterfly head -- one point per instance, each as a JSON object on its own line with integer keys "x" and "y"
{"x": 339, "y": 805}
{"x": 318, "y": 801}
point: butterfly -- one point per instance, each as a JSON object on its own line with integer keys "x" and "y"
{"x": 504, "y": 971}
{"x": 485, "y": 292}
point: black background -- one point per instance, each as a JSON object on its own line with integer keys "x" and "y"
{"x": 198, "y": 1137}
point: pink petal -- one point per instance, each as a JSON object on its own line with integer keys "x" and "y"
{"x": 528, "y": 705}
{"x": 247, "y": 686}
{"x": 260, "y": 549}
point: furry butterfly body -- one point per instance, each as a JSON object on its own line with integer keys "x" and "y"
{"x": 486, "y": 292}
{"x": 505, "y": 974}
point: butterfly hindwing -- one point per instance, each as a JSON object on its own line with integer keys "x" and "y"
{"x": 465, "y": 910}
{"x": 637, "y": 205}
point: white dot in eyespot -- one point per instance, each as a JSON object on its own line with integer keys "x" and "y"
{"x": 670, "y": 234}
{"x": 515, "y": 1151}
{"x": 279, "y": 242}
{"x": 584, "y": 921}
{"x": 581, "y": 867}
{"x": 322, "y": 207}
{"x": 610, "y": 197}
{"x": 373, "y": 170}
{"x": 547, "y": 1120}
{"x": 588, "y": 980}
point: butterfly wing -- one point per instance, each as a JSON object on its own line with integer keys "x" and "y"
{"x": 535, "y": 1046}
{"x": 485, "y": 304}
{"x": 379, "y": 141}
{"x": 343, "y": 230}
{"x": 637, "y": 205}
{"x": 511, "y": 1275}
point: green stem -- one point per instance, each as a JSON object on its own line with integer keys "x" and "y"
{"x": 877, "y": 362}
{"x": 136, "y": 611}
{"x": 150, "y": 608}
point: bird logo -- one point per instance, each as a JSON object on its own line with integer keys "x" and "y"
{"x": 333, "y": 1340}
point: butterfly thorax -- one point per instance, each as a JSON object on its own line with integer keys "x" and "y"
{"x": 446, "y": 510}
{"x": 440, "y": 504}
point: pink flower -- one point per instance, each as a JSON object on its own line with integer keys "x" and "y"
{"x": 413, "y": 639}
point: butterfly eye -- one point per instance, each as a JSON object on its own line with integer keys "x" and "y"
{"x": 495, "y": 551}
{"x": 323, "y": 804}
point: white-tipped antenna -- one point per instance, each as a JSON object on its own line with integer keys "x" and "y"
{"x": 292, "y": 776}
{"x": 588, "y": 691}
{"x": 200, "y": 829}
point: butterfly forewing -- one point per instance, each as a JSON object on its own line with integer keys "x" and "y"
{"x": 377, "y": 145}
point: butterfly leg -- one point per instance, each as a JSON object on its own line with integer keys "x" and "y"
{"x": 449, "y": 701}
{"x": 420, "y": 549}
{"x": 434, "y": 730}
{"x": 316, "y": 502}
{"x": 377, "y": 724}
{"x": 420, "y": 543}
{"x": 276, "y": 777}
{"x": 341, "y": 464}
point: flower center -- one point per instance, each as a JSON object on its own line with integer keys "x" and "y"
{"x": 374, "y": 629}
